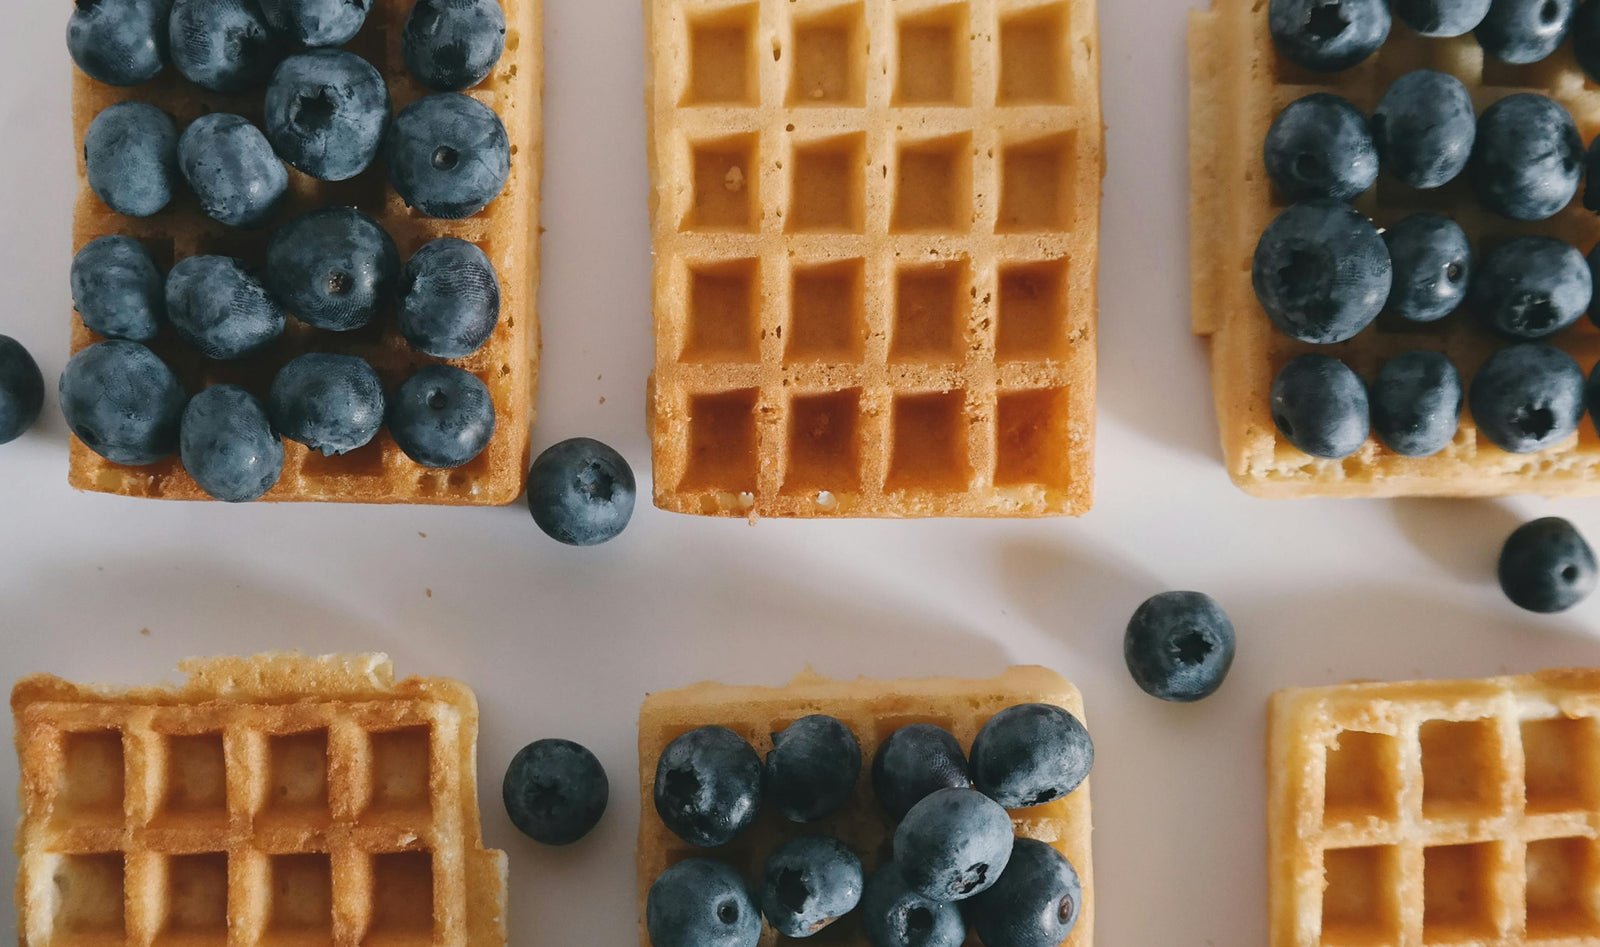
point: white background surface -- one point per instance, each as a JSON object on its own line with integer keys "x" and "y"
{"x": 560, "y": 642}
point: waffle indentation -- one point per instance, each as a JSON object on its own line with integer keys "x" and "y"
{"x": 830, "y": 58}
{"x": 724, "y": 312}
{"x": 933, "y": 186}
{"x": 726, "y": 179}
{"x": 722, "y": 70}
{"x": 300, "y": 893}
{"x": 1030, "y": 323}
{"x": 824, "y": 447}
{"x": 1359, "y": 905}
{"x": 829, "y": 322}
{"x": 1559, "y": 762}
{"x": 1460, "y": 763}
{"x": 91, "y": 782}
{"x": 196, "y": 781}
{"x": 929, "y": 450}
{"x": 1036, "y": 185}
{"x": 297, "y": 777}
{"x": 930, "y": 313}
{"x": 1362, "y": 778}
{"x": 1561, "y": 875}
{"x": 196, "y": 910}
{"x": 1029, "y": 449}
{"x": 933, "y": 62}
{"x": 402, "y": 897}
{"x": 89, "y": 897}
{"x": 401, "y": 770}
{"x": 829, "y": 179}
{"x": 722, "y": 441}
{"x": 1460, "y": 893}
{"x": 1032, "y": 56}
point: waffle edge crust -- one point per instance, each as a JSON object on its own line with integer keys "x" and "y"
{"x": 1238, "y": 84}
{"x": 875, "y": 229}
{"x": 873, "y": 710}
{"x": 276, "y": 798}
{"x": 507, "y": 231}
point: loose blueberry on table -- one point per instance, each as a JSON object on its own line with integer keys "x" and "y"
{"x": 555, "y": 791}
{"x": 21, "y": 390}
{"x": 581, "y": 492}
{"x": 1179, "y": 646}
{"x": 1547, "y": 566}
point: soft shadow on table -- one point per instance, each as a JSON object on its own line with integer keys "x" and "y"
{"x": 1081, "y": 596}
{"x": 1463, "y": 536}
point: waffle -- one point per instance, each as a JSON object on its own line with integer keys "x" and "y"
{"x": 279, "y": 800}
{"x": 1238, "y": 85}
{"x": 873, "y": 710}
{"x": 1452, "y": 812}
{"x": 506, "y": 230}
{"x": 875, "y": 228}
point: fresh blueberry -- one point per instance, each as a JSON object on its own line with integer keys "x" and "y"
{"x": 452, "y": 45}
{"x": 1321, "y": 272}
{"x": 448, "y": 155}
{"x": 1031, "y": 754}
{"x": 701, "y": 903}
{"x": 1416, "y": 403}
{"x": 916, "y": 761}
{"x": 1586, "y": 39}
{"x": 1441, "y": 17}
{"x": 1321, "y": 147}
{"x": 333, "y": 268}
{"x": 809, "y": 883}
{"x": 232, "y": 169}
{"x": 1528, "y": 157}
{"x": 1432, "y": 262}
{"x": 1531, "y": 287}
{"x": 1527, "y": 397}
{"x": 581, "y": 492}
{"x": 708, "y": 786}
{"x": 223, "y": 45}
{"x": 555, "y": 791}
{"x": 1546, "y": 566}
{"x": 1328, "y": 35}
{"x": 953, "y": 844}
{"x": 326, "y": 112}
{"x": 449, "y": 298}
{"x": 119, "y": 42}
{"x": 1035, "y": 903}
{"x": 895, "y": 916}
{"x": 21, "y": 390}
{"x": 1321, "y": 407}
{"x": 131, "y": 158}
{"x": 123, "y": 402}
{"x": 811, "y": 769}
{"x": 1424, "y": 128}
{"x": 117, "y": 289}
{"x": 316, "y": 23}
{"x": 329, "y": 403}
{"x": 442, "y": 416}
{"x": 1525, "y": 31}
{"x": 221, "y": 308}
{"x": 1179, "y": 646}
{"x": 228, "y": 445}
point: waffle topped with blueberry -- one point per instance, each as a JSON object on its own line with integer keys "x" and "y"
{"x": 1389, "y": 239}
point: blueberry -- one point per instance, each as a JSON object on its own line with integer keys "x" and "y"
{"x": 895, "y": 916}
{"x": 1546, "y": 566}
{"x": 329, "y": 403}
{"x": 1036, "y": 902}
{"x": 1320, "y": 146}
{"x": 21, "y": 390}
{"x": 448, "y": 155}
{"x": 1441, "y": 17}
{"x": 555, "y": 791}
{"x": 1591, "y": 170}
{"x": 1179, "y": 646}
{"x": 809, "y": 883}
{"x": 1527, "y": 397}
{"x": 123, "y": 402}
{"x": 1416, "y": 403}
{"x": 1528, "y": 157}
{"x": 223, "y": 45}
{"x": 119, "y": 42}
{"x": 131, "y": 158}
{"x": 811, "y": 769}
{"x": 1524, "y": 31}
{"x": 701, "y": 903}
{"x": 117, "y": 289}
{"x": 1586, "y": 38}
{"x": 1321, "y": 272}
{"x": 316, "y": 22}
{"x": 232, "y": 169}
{"x": 581, "y": 492}
{"x": 333, "y": 268}
{"x": 326, "y": 112}
{"x": 1432, "y": 262}
{"x": 220, "y": 308}
{"x": 916, "y": 761}
{"x": 1531, "y": 287}
{"x": 953, "y": 844}
{"x": 1031, "y": 754}
{"x": 228, "y": 445}
{"x": 449, "y": 298}
{"x": 1328, "y": 35}
{"x": 708, "y": 786}
{"x": 1424, "y": 128}
{"x": 442, "y": 416}
{"x": 452, "y": 45}
{"x": 1321, "y": 407}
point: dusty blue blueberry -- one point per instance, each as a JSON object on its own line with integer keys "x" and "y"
{"x": 223, "y": 45}
{"x": 813, "y": 765}
{"x": 1321, "y": 272}
{"x": 123, "y": 402}
{"x": 1179, "y": 646}
{"x": 117, "y": 289}
{"x": 221, "y": 308}
{"x": 21, "y": 390}
{"x": 326, "y": 113}
{"x": 555, "y": 791}
{"x": 1531, "y": 287}
{"x": 316, "y": 22}
{"x": 916, "y": 761}
{"x": 1586, "y": 38}
{"x": 449, "y": 298}
{"x": 1328, "y": 35}
{"x": 1320, "y": 146}
{"x": 228, "y": 445}
{"x": 119, "y": 42}
{"x": 1528, "y": 157}
{"x": 333, "y": 268}
{"x": 330, "y": 403}
{"x": 131, "y": 158}
{"x": 1432, "y": 262}
{"x": 708, "y": 786}
{"x": 442, "y": 416}
{"x": 232, "y": 169}
{"x": 1030, "y": 754}
{"x": 1525, "y": 31}
{"x": 1546, "y": 566}
{"x": 701, "y": 903}
{"x": 809, "y": 883}
{"x": 581, "y": 492}
{"x": 953, "y": 844}
{"x": 1424, "y": 128}
{"x": 448, "y": 155}
{"x": 1527, "y": 397}
{"x": 452, "y": 45}
{"x": 1320, "y": 406}
{"x": 1441, "y": 17}
{"x": 1036, "y": 902}
{"x": 895, "y": 916}
{"x": 1416, "y": 403}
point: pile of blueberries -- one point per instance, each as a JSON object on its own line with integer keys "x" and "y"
{"x": 1323, "y": 272}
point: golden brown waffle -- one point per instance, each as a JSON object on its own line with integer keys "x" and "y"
{"x": 1443, "y": 812}
{"x": 1238, "y": 85}
{"x": 876, "y": 238}
{"x": 507, "y": 231}
{"x": 873, "y": 710}
{"x": 274, "y": 800}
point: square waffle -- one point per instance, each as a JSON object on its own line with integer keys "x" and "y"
{"x": 507, "y": 231}
{"x": 1446, "y": 812}
{"x": 275, "y": 800}
{"x": 1238, "y": 85}
{"x": 876, "y": 238}
{"x": 872, "y": 710}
